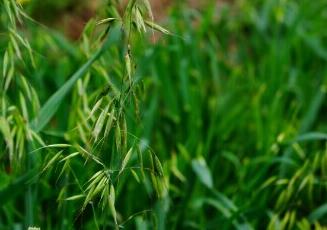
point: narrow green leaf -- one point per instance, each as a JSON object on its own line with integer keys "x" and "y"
{"x": 76, "y": 197}
{"x": 106, "y": 20}
{"x": 158, "y": 166}
{"x": 70, "y": 156}
{"x": 126, "y": 159}
{"x": 313, "y": 136}
{"x": 52, "y": 105}
{"x": 95, "y": 107}
{"x": 111, "y": 200}
{"x": 5, "y": 129}
{"x": 318, "y": 213}
{"x": 109, "y": 122}
{"x": 140, "y": 158}
{"x": 96, "y": 175}
{"x": 118, "y": 137}
{"x": 5, "y": 64}
{"x": 100, "y": 122}
{"x": 15, "y": 45}
{"x": 52, "y": 161}
{"x": 128, "y": 67}
{"x": 148, "y": 8}
{"x": 202, "y": 171}
{"x": 137, "y": 178}
{"x": 139, "y": 20}
{"x": 53, "y": 146}
{"x": 155, "y": 26}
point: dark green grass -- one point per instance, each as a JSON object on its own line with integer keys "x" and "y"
{"x": 234, "y": 107}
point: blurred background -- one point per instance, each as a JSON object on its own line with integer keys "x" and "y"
{"x": 234, "y": 105}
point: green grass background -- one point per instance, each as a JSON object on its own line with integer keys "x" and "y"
{"x": 233, "y": 104}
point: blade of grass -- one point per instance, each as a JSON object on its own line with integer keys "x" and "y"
{"x": 51, "y": 106}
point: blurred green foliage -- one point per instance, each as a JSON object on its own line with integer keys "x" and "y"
{"x": 234, "y": 106}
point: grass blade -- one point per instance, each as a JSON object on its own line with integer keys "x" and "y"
{"x": 52, "y": 105}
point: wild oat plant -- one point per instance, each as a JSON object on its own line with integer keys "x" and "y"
{"x": 96, "y": 154}
{"x": 220, "y": 125}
